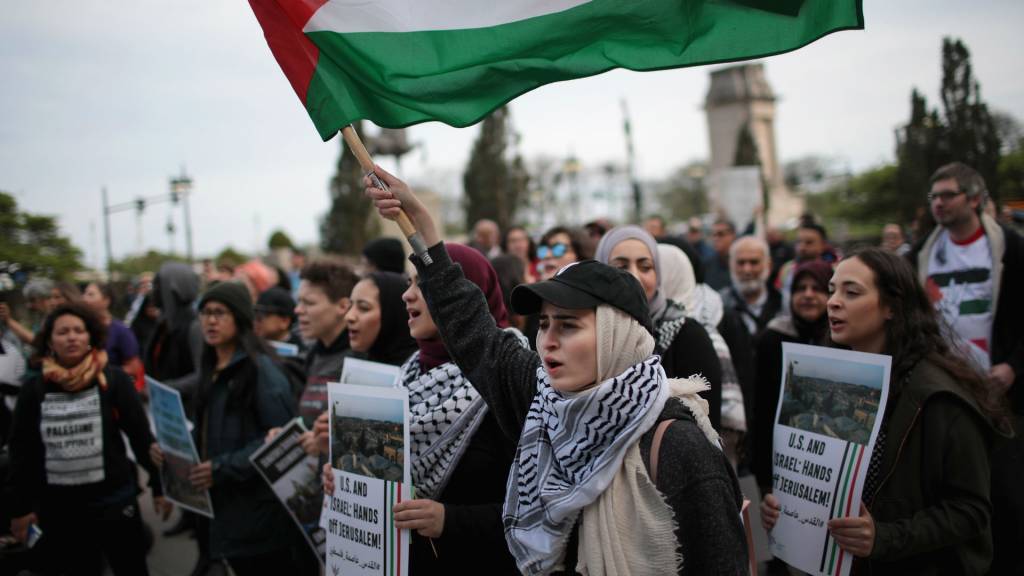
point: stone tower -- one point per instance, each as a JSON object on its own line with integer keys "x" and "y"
{"x": 740, "y": 98}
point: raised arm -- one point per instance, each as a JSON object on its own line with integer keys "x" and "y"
{"x": 498, "y": 366}
{"x": 494, "y": 360}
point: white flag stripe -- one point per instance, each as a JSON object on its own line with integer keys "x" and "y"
{"x": 349, "y": 16}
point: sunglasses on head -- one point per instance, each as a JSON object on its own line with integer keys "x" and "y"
{"x": 556, "y": 251}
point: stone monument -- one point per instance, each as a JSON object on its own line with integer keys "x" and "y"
{"x": 740, "y": 107}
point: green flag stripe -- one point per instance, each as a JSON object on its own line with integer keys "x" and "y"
{"x": 459, "y": 76}
{"x": 975, "y": 306}
{"x": 842, "y": 497}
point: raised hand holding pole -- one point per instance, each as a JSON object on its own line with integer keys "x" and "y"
{"x": 419, "y": 247}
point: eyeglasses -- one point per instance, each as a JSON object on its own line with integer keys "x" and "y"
{"x": 556, "y": 251}
{"x": 945, "y": 195}
{"x": 213, "y": 313}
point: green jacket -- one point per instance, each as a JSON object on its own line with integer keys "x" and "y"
{"x": 932, "y": 509}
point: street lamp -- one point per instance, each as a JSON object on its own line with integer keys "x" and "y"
{"x": 181, "y": 188}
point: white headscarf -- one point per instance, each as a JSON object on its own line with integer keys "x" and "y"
{"x": 677, "y": 277}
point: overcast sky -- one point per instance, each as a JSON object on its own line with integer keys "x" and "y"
{"x": 846, "y": 371}
{"x": 123, "y": 94}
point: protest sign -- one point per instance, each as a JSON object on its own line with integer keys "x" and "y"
{"x": 180, "y": 455}
{"x": 366, "y": 373}
{"x": 830, "y": 409}
{"x": 369, "y": 455}
{"x": 293, "y": 476}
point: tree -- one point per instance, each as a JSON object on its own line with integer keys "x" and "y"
{"x": 971, "y": 132}
{"x": 1011, "y": 175}
{"x": 966, "y": 132}
{"x": 148, "y": 262}
{"x": 350, "y": 223}
{"x": 35, "y": 243}
{"x": 746, "y": 148}
{"x": 279, "y": 239}
{"x": 684, "y": 194}
{"x": 494, "y": 186}
{"x": 231, "y": 257}
{"x": 872, "y": 197}
{"x": 920, "y": 150}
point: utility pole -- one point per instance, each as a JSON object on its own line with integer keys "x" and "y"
{"x": 106, "y": 234}
{"x": 181, "y": 189}
{"x": 638, "y": 200}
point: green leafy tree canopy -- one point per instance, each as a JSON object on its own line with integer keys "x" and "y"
{"x": 280, "y": 239}
{"x": 35, "y": 243}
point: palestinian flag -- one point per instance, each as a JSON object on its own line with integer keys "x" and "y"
{"x": 400, "y": 62}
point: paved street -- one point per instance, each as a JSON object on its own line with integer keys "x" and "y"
{"x": 173, "y": 556}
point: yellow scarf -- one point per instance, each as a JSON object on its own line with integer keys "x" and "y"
{"x": 78, "y": 377}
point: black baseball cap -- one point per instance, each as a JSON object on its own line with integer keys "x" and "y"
{"x": 586, "y": 284}
{"x": 276, "y": 300}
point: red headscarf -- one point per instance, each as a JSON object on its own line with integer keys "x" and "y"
{"x": 480, "y": 272}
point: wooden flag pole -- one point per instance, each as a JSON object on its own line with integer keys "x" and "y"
{"x": 419, "y": 247}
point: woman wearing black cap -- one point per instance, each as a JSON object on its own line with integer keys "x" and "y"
{"x": 242, "y": 394}
{"x": 594, "y": 414}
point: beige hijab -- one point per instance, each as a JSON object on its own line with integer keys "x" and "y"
{"x": 630, "y": 529}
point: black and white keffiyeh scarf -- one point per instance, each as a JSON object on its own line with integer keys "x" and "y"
{"x": 445, "y": 411}
{"x": 669, "y": 325}
{"x": 569, "y": 452}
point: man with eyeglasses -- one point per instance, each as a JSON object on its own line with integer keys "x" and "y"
{"x": 973, "y": 270}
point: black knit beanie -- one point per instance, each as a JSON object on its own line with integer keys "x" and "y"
{"x": 235, "y": 296}
{"x": 386, "y": 254}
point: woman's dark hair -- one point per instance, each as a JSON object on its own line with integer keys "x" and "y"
{"x": 575, "y": 240}
{"x": 97, "y": 331}
{"x": 511, "y": 273}
{"x": 68, "y": 291}
{"x": 105, "y": 290}
{"x": 244, "y": 387}
{"x": 531, "y": 252}
{"x": 914, "y": 333}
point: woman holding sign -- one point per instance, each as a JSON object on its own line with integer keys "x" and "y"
{"x": 593, "y": 413}
{"x": 926, "y": 496}
{"x": 806, "y": 323}
{"x": 460, "y": 458}
{"x": 241, "y": 395}
{"x": 70, "y": 474}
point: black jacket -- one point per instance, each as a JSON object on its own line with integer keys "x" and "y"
{"x": 473, "y": 533}
{"x": 698, "y": 485}
{"x": 932, "y": 508}
{"x": 323, "y": 365}
{"x": 771, "y": 309}
{"x": 691, "y": 352}
{"x": 769, "y": 375}
{"x": 235, "y": 409}
{"x": 120, "y": 410}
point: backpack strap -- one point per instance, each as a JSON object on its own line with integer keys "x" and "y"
{"x": 656, "y": 446}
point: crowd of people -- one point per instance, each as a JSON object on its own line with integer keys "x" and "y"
{"x": 582, "y": 400}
